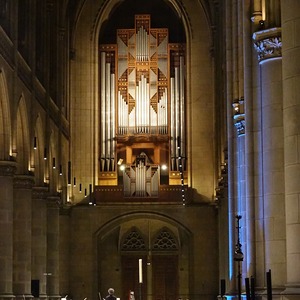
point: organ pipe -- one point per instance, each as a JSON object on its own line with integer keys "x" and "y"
{"x": 182, "y": 107}
{"x": 112, "y": 122}
{"x": 107, "y": 111}
{"x": 177, "y": 107}
{"x": 173, "y": 131}
{"x": 102, "y": 105}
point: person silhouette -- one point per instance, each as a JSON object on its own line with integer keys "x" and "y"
{"x": 111, "y": 295}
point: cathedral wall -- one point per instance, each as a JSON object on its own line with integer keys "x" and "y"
{"x": 200, "y": 98}
{"x": 96, "y": 247}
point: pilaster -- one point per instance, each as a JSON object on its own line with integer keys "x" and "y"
{"x": 7, "y": 171}
{"x": 39, "y": 237}
{"x": 52, "y": 273}
{"x": 291, "y": 121}
{"x": 22, "y": 197}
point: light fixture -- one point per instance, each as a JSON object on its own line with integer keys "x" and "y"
{"x": 80, "y": 188}
{"x": 90, "y": 200}
{"x": 84, "y": 192}
{"x": 69, "y": 173}
{"x": 164, "y": 167}
{"x": 122, "y": 167}
{"x": 238, "y": 255}
{"x": 120, "y": 161}
{"x": 45, "y": 153}
{"x": 74, "y": 181}
{"x": 34, "y": 143}
{"x": 53, "y": 163}
{"x": 60, "y": 170}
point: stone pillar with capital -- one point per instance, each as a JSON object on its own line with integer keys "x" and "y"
{"x": 7, "y": 171}
{"x": 39, "y": 237}
{"x": 291, "y": 111}
{"x": 52, "y": 273}
{"x": 270, "y": 204}
{"x": 22, "y": 198}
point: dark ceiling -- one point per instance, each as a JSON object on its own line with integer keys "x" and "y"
{"x": 162, "y": 16}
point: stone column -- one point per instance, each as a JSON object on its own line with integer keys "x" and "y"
{"x": 64, "y": 251}
{"x": 39, "y": 238}
{"x": 52, "y": 273}
{"x": 22, "y": 236}
{"x": 7, "y": 170}
{"x": 291, "y": 120}
{"x": 270, "y": 216}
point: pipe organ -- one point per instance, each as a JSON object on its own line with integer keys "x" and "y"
{"x": 142, "y": 105}
{"x": 141, "y": 179}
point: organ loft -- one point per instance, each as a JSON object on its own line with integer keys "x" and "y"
{"x": 142, "y": 110}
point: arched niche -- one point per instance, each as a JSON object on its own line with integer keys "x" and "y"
{"x": 22, "y": 138}
{"x": 91, "y": 19}
{"x": 126, "y": 239}
{"x": 5, "y": 120}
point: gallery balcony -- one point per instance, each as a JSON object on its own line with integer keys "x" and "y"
{"x": 167, "y": 194}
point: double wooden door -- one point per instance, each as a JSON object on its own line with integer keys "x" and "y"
{"x": 160, "y": 277}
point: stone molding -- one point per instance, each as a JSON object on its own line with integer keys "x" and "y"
{"x": 268, "y": 43}
{"x": 54, "y": 201}
{"x": 40, "y": 192}
{"x": 240, "y": 123}
{"x": 23, "y": 181}
{"x": 8, "y": 168}
{"x": 239, "y": 116}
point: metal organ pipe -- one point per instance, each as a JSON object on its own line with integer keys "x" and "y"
{"x": 182, "y": 106}
{"x": 119, "y": 114}
{"x": 173, "y": 131}
{"x": 177, "y": 107}
{"x": 102, "y": 101}
{"x": 112, "y": 120}
{"x": 107, "y": 114}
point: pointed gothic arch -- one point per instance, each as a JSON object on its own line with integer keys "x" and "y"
{"x": 133, "y": 241}
{"x": 22, "y": 137}
{"x": 199, "y": 94}
{"x": 5, "y": 120}
{"x": 165, "y": 240}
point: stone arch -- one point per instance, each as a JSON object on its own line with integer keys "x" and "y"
{"x": 199, "y": 91}
{"x": 22, "y": 137}
{"x": 147, "y": 227}
{"x": 133, "y": 240}
{"x": 165, "y": 240}
{"x": 5, "y": 120}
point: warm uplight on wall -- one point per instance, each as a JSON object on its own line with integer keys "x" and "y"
{"x": 236, "y": 107}
{"x": 69, "y": 173}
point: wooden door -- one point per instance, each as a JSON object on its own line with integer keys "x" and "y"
{"x": 130, "y": 277}
{"x": 165, "y": 277}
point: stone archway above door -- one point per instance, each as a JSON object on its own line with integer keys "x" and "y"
{"x": 157, "y": 277}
